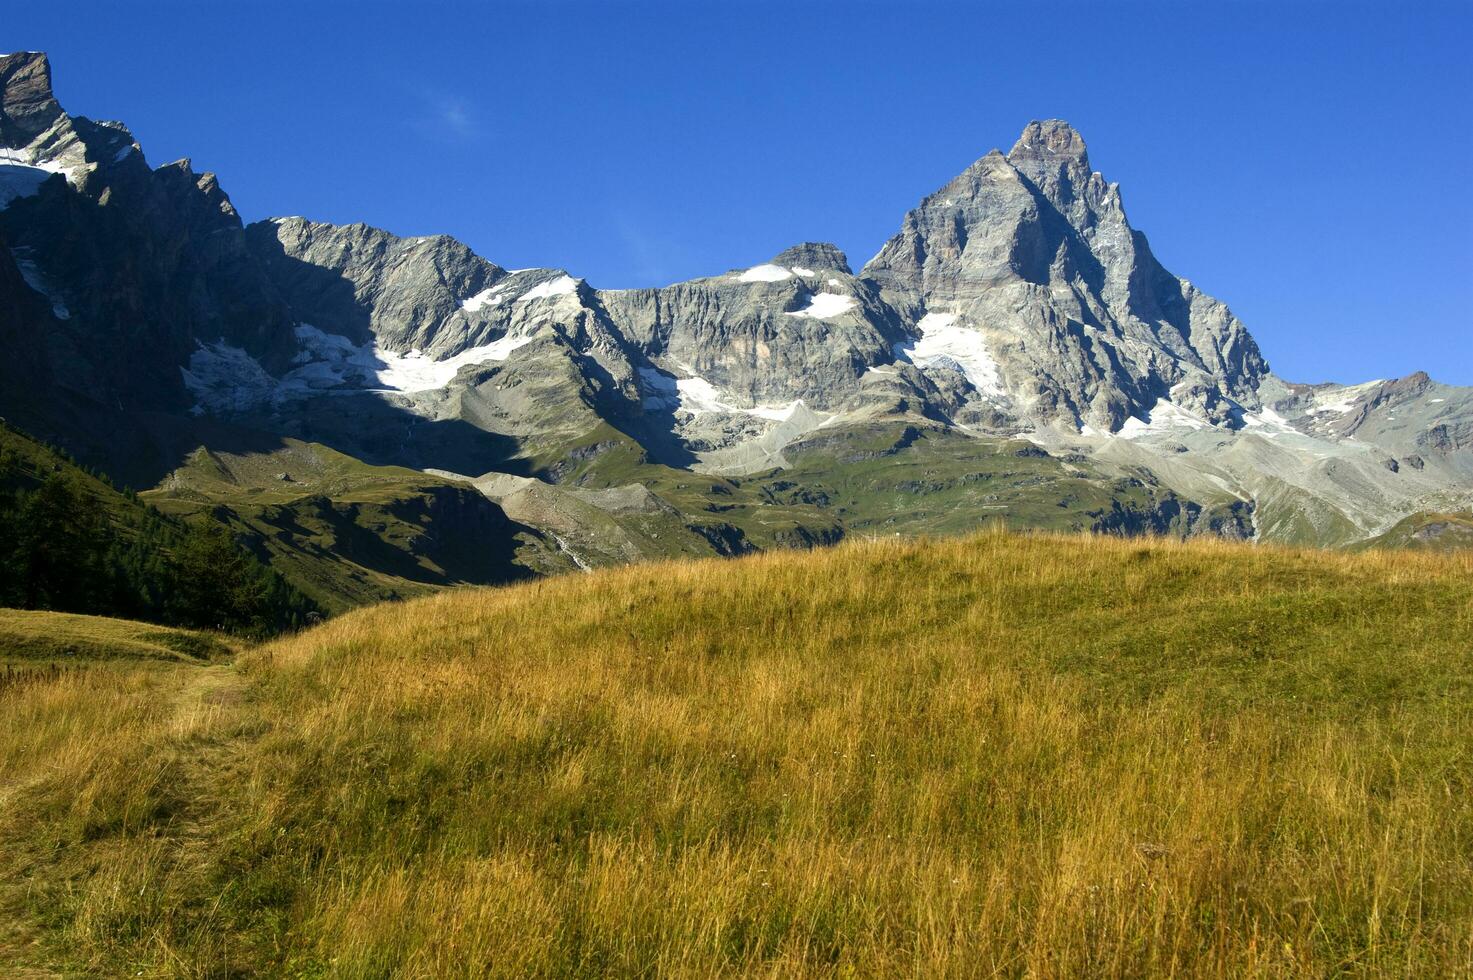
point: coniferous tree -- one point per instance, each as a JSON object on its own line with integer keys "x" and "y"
{"x": 58, "y": 549}
{"x": 217, "y": 585}
{"x": 70, "y": 542}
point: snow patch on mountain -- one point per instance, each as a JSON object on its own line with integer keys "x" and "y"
{"x": 31, "y": 273}
{"x": 1271, "y": 422}
{"x": 22, "y": 173}
{"x": 224, "y": 378}
{"x": 1163, "y": 417}
{"x": 486, "y": 297}
{"x": 561, "y": 286}
{"x": 329, "y": 357}
{"x": 1339, "y": 401}
{"x": 941, "y": 341}
{"x": 825, "y": 305}
{"x": 697, "y": 396}
{"x": 766, "y": 272}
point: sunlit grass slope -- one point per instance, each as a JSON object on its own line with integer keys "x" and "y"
{"x": 33, "y": 636}
{"x": 1020, "y": 755}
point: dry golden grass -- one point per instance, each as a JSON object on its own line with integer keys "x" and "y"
{"x": 1014, "y": 755}
{"x": 28, "y": 636}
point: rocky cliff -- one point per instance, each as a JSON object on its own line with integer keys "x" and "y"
{"x": 141, "y": 319}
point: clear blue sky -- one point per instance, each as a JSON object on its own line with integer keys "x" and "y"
{"x": 1309, "y": 163}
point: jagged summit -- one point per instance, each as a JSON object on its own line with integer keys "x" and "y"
{"x": 1085, "y": 327}
{"x": 27, "y": 106}
{"x": 1051, "y": 155}
{"x": 24, "y": 76}
{"x": 814, "y": 255}
{"x": 1048, "y": 142}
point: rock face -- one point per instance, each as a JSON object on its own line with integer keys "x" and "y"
{"x": 364, "y": 283}
{"x": 29, "y": 108}
{"x": 135, "y": 267}
{"x": 433, "y": 330}
{"x": 1033, "y": 252}
{"x": 799, "y": 327}
{"x": 1015, "y": 301}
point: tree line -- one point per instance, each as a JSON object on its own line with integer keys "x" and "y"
{"x": 62, "y": 547}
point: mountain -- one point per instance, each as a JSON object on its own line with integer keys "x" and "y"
{"x": 1028, "y": 258}
{"x": 112, "y": 273}
{"x": 1014, "y": 353}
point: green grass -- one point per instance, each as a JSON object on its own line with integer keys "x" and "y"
{"x": 29, "y": 637}
{"x": 893, "y": 478}
{"x": 1021, "y": 755}
{"x": 702, "y": 500}
{"x": 1428, "y": 532}
{"x": 347, "y": 533}
{"x": 884, "y": 479}
{"x": 69, "y": 540}
{"x": 25, "y": 463}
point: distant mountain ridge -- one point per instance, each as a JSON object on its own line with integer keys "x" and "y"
{"x": 1015, "y": 305}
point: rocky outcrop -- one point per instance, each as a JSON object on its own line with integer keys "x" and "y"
{"x": 818, "y": 256}
{"x": 1033, "y": 252}
{"x": 135, "y": 267}
{"x": 1174, "y": 517}
{"x": 798, "y": 327}
{"x": 364, "y": 283}
{"x": 27, "y": 108}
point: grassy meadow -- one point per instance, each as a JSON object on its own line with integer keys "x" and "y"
{"x": 29, "y": 637}
{"x": 1012, "y": 755}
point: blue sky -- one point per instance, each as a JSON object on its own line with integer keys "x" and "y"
{"x": 1307, "y": 162}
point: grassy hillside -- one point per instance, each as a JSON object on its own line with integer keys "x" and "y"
{"x": 347, "y": 533}
{"x": 896, "y": 478}
{"x": 29, "y": 637}
{"x": 71, "y": 541}
{"x": 707, "y": 513}
{"x": 1428, "y": 532}
{"x": 25, "y": 463}
{"x": 1000, "y": 754}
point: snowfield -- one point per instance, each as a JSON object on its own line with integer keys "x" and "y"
{"x": 561, "y": 286}
{"x": 765, "y": 273}
{"x": 33, "y": 277}
{"x": 1163, "y": 417}
{"x": 21, "y": 175}
{"x": 697, "y": 396}
{"x": 485, "y": 298}
{"x": 825, "y": 305}
{"x": 225, "y": 378}
{"x": 941, "y": 342}
{"x": 1345, "y": 399}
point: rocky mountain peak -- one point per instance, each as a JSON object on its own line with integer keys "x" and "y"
{"x": 821, "y": 256}
{"x": 27, "y": 106}
{"x": 1048, "y": 144}
{"x": 200, "y": 195}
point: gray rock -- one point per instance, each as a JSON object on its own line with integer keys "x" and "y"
{"x": 1017, "y": 300}
{"x": 135, "y": 267}
{"x": 27, "y": 107}
{"x": 1033, "y": 251}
